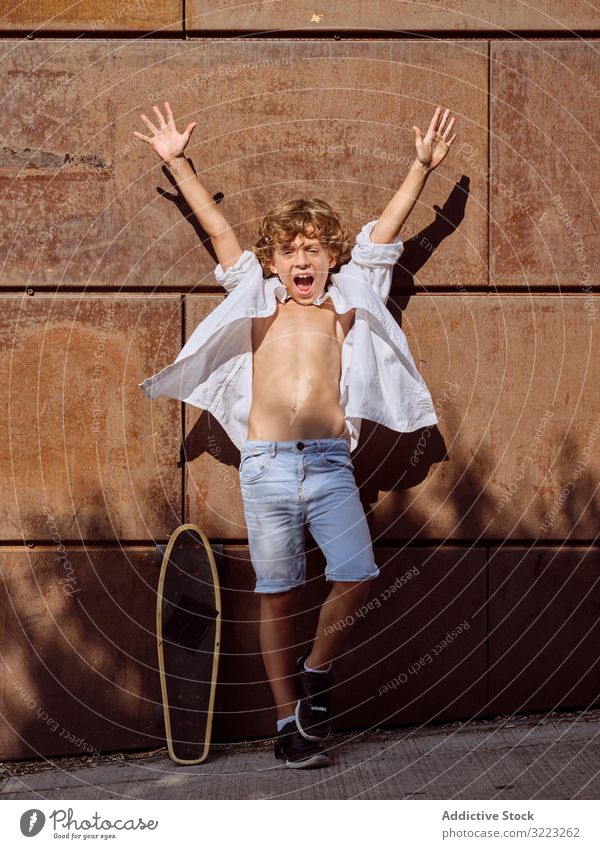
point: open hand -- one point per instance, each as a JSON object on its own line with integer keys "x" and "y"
{"x": 434, "y": 147}
{"x": 166, "y": 141}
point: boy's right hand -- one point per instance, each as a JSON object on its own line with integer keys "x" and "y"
{"x": 166, "y": 141}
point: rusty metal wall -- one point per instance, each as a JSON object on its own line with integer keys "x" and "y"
{"x": 485, "y": 528}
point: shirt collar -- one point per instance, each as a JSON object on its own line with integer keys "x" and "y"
{"x": 282, "y": 294}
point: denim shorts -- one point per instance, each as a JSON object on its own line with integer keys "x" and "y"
{"x": 287, "y": 486}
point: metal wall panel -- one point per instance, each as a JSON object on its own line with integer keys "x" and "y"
{"x": 544, "y": 628}
{"x": 85, "y": 203}
{"x": 419, "y": 654}
{"x": 513, "y": 382}
{"x": 93, "y": 15}
{"x": 212, "y": 481}
{"x": 79, "y": 651}
{"x": 81, "y": 205}
{"x": 80, "y": 647}
{"x": 545, "y": 179}
{"x": 389, "y": 16}
{"x": 79, "y": 439}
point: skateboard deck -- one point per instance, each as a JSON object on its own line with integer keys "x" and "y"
{"x": 188, "y": 629}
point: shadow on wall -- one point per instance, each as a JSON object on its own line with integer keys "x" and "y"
{"x": 419, "y": 248}
{"x": 384, "y": 465}
{"x": 176, "y": 197}
{"x": 79, "y": 649}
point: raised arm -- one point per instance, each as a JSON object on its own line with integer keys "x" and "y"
{"x": 169, "y": 144}
{"x": 431, "y": 150}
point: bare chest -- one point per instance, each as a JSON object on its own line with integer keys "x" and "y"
{"x": 303, "y": 329}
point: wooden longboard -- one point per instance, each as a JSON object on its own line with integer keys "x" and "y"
{"x": 188, "y": 630}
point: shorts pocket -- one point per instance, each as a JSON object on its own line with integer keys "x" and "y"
{"x": 254, "y": 466}
{"x": 336, "y": 459}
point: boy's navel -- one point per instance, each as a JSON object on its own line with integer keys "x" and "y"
{"x": 301, "y": 389}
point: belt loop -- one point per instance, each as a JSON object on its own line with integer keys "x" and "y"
{"x": 273, "y": 449}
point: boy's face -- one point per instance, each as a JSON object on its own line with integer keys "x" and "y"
{"x": 303, "y": 268}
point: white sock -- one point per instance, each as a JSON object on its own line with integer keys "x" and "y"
{"x": 284, "y": 721}
{"x": 308, "y": 669}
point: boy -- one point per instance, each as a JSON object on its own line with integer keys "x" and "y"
{"x": 290, "y": 364}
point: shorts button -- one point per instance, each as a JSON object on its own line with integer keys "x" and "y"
{"x": 300, "y": 445}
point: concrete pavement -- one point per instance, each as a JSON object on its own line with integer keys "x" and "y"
{"x": 540, "y": 756}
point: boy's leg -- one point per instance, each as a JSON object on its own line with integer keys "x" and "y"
{"x": 339, "y": 526}
{"x": 315, "y": 683}
{"x": 277, "y": 643}
{"x": 270, "y": 479}
{"x": 275, "y": 520}
{"x": 345, "y": 598}
{"x": 278, "y": 611}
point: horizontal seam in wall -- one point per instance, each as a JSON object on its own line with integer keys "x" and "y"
{"x": 302, "y": 35}
{"x": 572, "y": 290}
{"x": 415, "y": 545}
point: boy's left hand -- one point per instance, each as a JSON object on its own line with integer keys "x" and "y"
{"x": 434, "y": 147}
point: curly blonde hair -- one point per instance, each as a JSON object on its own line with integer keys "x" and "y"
{"x": 311, "y": 217}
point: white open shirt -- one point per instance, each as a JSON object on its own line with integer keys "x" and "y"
{"x": 379, "y": 380}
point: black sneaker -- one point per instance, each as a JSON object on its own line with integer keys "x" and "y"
{"x": 295, "y": 751}
{"x": 313, "y": 713}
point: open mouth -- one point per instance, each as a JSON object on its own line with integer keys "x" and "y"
{"x": 303, "y": 283}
